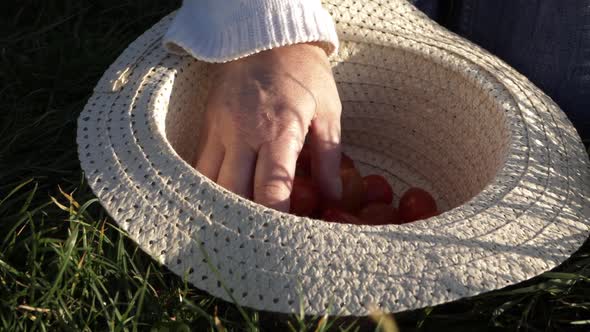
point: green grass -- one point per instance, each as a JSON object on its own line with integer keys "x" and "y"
{"x": 65, "y": 266}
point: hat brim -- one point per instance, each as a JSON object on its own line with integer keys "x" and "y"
{"x": 528, "y": 219}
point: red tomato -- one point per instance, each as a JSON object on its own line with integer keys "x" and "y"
{"x": 337, "y": 215}
{"x": 430, "y": 215}
{"x": 303, "y": 167}
{"x": 346, "y": 162}
{"x": 415, "y": 204}
{"x": 377, "y": 189}
{"x": 379, "y": 214}
{"x": 352, "y": 191}
{"x": 305, "y": 198}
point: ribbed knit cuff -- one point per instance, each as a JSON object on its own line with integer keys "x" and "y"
{"x": 221, "y": 31}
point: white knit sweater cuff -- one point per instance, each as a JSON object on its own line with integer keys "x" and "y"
{"x": 221, "y": 31}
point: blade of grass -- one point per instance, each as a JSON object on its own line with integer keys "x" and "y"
{"x": 15, "y": 190}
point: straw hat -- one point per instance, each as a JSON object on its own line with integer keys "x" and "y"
{"x": 421, "y": 106}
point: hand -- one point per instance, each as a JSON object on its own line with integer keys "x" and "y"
{"x": 259, "y": 111}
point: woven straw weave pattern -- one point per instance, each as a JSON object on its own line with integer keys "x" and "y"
{"x": 420, "y": 106}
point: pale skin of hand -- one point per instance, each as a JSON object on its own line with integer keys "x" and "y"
{"x": 259, "y": 111}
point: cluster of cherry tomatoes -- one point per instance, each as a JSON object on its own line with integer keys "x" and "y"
{"x": 366, "y": 200}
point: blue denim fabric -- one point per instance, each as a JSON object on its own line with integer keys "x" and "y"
{"x": 546, "y": 40}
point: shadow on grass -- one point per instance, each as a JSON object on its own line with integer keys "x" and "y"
{"x": 54, "y": 52}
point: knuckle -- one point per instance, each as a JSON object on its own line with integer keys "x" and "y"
{"x": 332, "y": 110}
{"x": 290, "y": 136}
{"x": 266, "y": 123}
{"x": 337, "y": 107}
{"x": 287, "y": 134}
{"x": 271, "y": 192}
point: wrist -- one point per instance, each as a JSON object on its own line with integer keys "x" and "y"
{"x": 260, "y": 25}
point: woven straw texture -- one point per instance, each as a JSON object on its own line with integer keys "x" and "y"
{"x": 421, "y": 106}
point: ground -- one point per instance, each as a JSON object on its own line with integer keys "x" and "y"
{"x": 65, "y": 266}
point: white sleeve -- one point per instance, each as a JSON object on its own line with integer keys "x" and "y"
{"x": 225, "y": 30}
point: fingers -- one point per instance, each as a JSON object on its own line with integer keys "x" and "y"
{"x": 275, "y": 169}
{"x": 326, "y": 152}
{"x": 237, "y": 170}
{"x": 210, "y": 158}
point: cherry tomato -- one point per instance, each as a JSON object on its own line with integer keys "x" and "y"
{"x": 416, "y": 203}
{"x": 305, "y": 198}
{"x": 377, "y": 189}
{"x": 346, "y": 162}
{"x": 303, "y": 166}
{"x": 337, "y": 215}
{"x": 424, "y": 216}
{"x": 352, "y": 191}
{"x": 379, "y": 214}
{"x": 430, "y": 215}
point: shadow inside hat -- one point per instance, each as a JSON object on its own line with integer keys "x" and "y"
{"x": 407, "y": 118}
{"x": 420, "y": 123}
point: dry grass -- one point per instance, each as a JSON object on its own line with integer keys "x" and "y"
{"x": 65, "y": 266}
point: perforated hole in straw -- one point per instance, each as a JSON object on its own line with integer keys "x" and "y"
{"x": 421, "y": 106}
